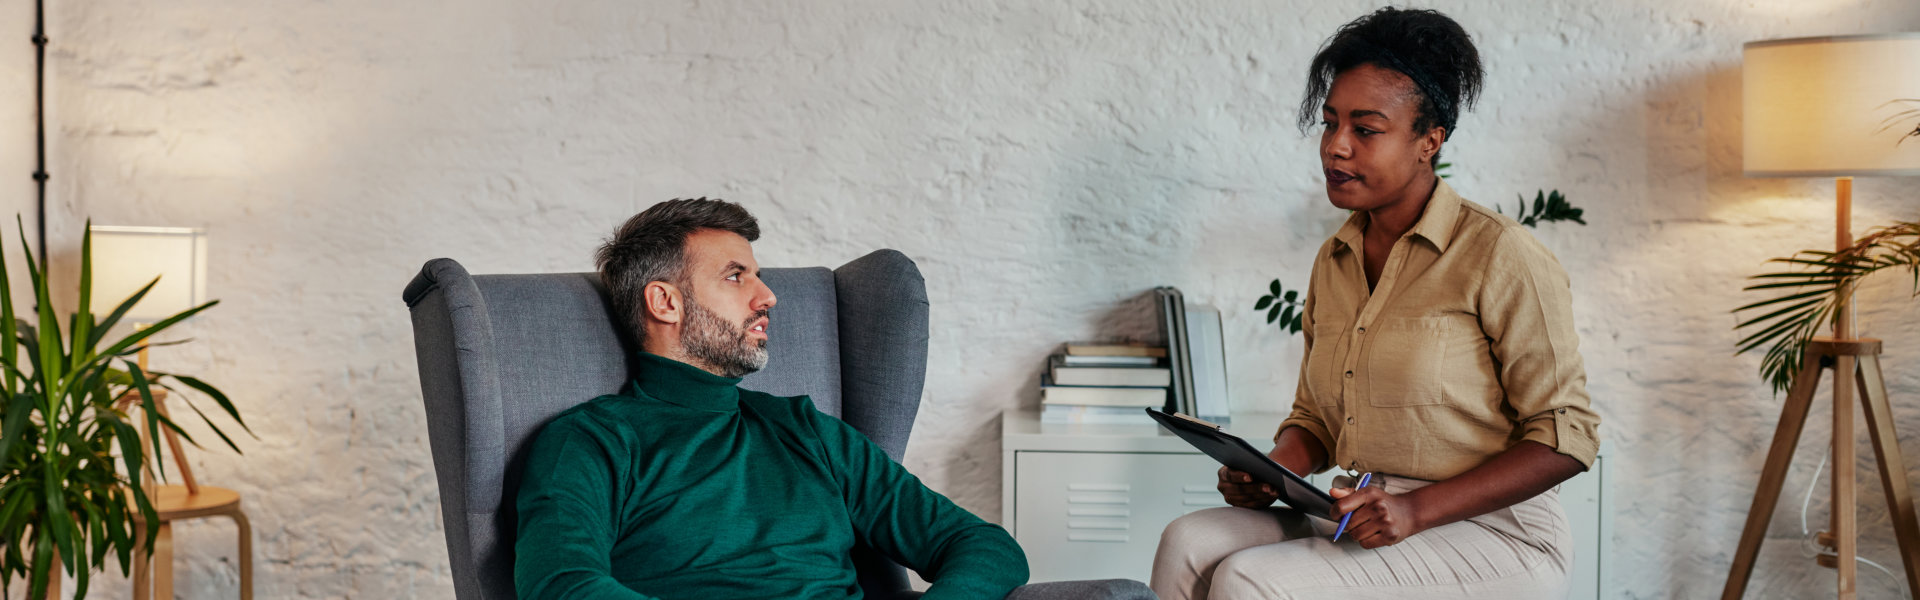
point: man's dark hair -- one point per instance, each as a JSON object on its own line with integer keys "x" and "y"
{"x": 652, "y": 246}
{"x": 1426, "y": 46}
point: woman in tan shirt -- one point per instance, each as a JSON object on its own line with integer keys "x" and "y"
{"x": 1441, "y": 357}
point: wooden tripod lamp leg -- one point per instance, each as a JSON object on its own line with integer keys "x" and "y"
{"x": 1893, "y": 468}
{"x": 1793, "y": 417}
{"x": 1845, "y": 504}
{"x": 173, "y": 443}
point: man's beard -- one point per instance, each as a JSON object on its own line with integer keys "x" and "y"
{"x": 720, "y": 346}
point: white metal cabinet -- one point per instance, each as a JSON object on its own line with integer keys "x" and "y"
{"x": 1583, "y": 498}
{"x": 1090, "y": 501}
{"x": 1091, "y": 515}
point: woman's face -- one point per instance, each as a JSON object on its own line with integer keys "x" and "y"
{"x": 1371, "y": 155}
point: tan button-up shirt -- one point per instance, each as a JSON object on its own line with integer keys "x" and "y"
{"x": 1464, "y": 348}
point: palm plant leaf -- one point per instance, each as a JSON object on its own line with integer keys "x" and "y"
{"x": 1776, "y": 330}
{"x": 9, "y": 353}
{"x": 19, "y": 407}
{"x": 55, "y": 517}
{"x": 219, "y": 398}
{"x": 1801, "y": 307}
{"x": 136, "y": 337}
{"x": 135, "y": 456}
{"x": 1821, "y": 283}
{"x": 1788, "y": 298}
{"x": 42, "y": 562}
{"x": 119, "y": 312}
{"x": 46, "y": 355}
{"x": 1789, "y": 284}
{"x": 152, "y": 412}
{"x": 1807, "y": 276}
{"x": 83, "y": 314}
{"x": 216, "y": 430}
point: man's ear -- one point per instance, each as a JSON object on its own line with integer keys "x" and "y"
{"x": 663, "y": 302}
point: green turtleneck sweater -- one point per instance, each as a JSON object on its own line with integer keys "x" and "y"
{"x": 687, "y": 486}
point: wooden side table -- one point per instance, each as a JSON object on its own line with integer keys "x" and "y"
{"x": 178, "y": 503}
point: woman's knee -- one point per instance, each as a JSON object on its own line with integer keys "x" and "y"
{"x": 1246, "y": 575}
{"x": 1205, "y": 536}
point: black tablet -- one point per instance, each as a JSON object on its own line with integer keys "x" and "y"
{"x": 1238, "y": 454}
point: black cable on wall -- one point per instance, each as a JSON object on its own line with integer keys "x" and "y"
{"x": 40, "y": 124}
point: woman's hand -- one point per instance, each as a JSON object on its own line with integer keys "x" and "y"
{"x": 1241, "y": 490}
{"x": 1379, "y": 518}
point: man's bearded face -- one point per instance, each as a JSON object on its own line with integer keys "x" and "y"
{"x": 723, "y": 346}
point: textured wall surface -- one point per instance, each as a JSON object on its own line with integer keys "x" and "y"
{"x": 1043, "y": 161}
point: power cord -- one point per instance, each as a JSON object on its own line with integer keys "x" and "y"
{"x": 1812, "y": 547}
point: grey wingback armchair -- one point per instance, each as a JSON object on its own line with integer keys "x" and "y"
{"x": 501, "y": 354}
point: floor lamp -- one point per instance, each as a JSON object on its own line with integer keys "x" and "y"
{"x": 1821, "y": 107}
{"x": 126, "y": 259}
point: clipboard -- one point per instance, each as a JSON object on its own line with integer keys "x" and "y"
{"x": 1236, "y": 453}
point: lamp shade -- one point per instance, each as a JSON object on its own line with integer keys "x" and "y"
{"x": 127, "y": 258}
{"x": 1832, "y": 106}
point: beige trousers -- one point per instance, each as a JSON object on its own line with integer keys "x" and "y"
{"x": 1523, "y": 551}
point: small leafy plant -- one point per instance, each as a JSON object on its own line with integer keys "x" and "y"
{"x": 1547, "y": 208}
{"x": 1283, "y": 307}
{"x": 1815, "y": 286}
{"x": 61, "y": 494}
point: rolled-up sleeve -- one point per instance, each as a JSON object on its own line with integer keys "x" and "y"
{"x": 1527, "y": 314}
{"x": 1304, "y": 414}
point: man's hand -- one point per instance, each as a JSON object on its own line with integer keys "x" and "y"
{"x": 1241, "y": 490}
{"x": 1379, "y": 518}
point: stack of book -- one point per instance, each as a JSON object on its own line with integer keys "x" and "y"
{"x": 1104, "y": 384}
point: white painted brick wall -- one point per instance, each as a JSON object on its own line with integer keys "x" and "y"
{"x": 1043, "y": 161}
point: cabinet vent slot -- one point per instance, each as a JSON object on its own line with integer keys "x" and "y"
{"x": 1090, "y": 524}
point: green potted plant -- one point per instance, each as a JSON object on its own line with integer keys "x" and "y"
{"x": 65, "y": 503}
{"x": 1813, "y": 287}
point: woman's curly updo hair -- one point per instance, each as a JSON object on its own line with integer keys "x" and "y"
{"x": 1426, "y": 46}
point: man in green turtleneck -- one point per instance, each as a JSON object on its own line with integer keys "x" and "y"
{"x": 686, "y": 486}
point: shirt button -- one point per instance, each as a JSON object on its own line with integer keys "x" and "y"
{"x": 1349, "y": 374}
{"x": 1363, "y": 330}
{"x": 1349, "y": 420}
{"x": 1563, "y": 411}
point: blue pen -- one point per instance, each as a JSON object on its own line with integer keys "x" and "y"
{"x": 1364, "y": 478}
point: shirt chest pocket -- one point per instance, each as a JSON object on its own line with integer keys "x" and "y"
{"x": 1323, "y": 365}
{"x": 1405, "y": 361}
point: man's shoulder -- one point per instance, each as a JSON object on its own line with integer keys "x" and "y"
{"x": 605, "y": 414}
